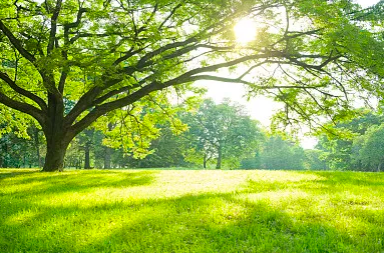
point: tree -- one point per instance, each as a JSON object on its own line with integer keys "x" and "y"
{"x": 222, "y": 132}
{"x": 372, "y": 150}
{"x": 278, "y": 154}
{"x": 314, "y": 161}
{"x": 342, "y": 144}
{"x": 168, "y": 150}
{"x": 115, "y": 55}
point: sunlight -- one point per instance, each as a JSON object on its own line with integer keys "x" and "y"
{"x": 245, "y": 31}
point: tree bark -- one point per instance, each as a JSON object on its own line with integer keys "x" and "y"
{"x": 37, "y": 146}
{"x": 56, "y": 149}
{"x": 87, "y": 162}
{"x": 56, "y": 133}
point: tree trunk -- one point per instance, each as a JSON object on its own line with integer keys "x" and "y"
{"x": 6, "y": 158}
{"x": 56, "y": 134}
{"x": 219, "y": 158}
{"x": 108, "y": 151}
{"x": 56, "y": 148}
{"x": 87, "y": 162}
{"x": 379, "y": 167}
{"x": 107, "y": 157}
{"x": 37, "y": 146}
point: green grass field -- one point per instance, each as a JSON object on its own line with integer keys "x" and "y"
{"x": 191, "y": 211}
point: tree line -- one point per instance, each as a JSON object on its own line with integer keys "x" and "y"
{"x": 213, "y": 136}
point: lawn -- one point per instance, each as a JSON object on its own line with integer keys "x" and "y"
{"x": 191, "y": 211}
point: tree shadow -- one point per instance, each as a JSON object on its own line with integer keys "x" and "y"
{"x": 4, "y": 174}
{"x": 352, "y": 178}
{"x": 86, "y": 181}
{"x": 208, "y": 222}
{"x": 262, "y": 229}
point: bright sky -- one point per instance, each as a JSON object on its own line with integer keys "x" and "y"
{"x": 260, "y": 108}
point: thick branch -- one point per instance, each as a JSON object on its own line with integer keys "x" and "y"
{"x": 160, "y": 50}
{"x": 52, "y": 34}
{"x": 23, "y": 107}
{"x": 104, "y": 108}
{"x": 261, "y": 87}
{"x": 16, "y": 43}
{"x": 63, "y": 78}
{"x": 169, "y": 16}
{"x": 113, "y": 93}
{"x": 78, "y": 19}
{"x": 22, "y": 91}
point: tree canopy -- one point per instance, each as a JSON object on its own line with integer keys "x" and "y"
{"x": 69, "y": 63}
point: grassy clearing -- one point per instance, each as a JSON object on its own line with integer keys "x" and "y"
{"x": 191, "y": 211}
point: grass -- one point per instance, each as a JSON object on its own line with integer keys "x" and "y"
{"x": 191, "y": 211}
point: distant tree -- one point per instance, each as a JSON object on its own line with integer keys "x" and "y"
{"x": 16, "y": 152}
{"x": 168, "y": 150}
{"x": 86, "y": 142}
{"x": 341, "y": 145}
{"x": 314, "y": 160}
{"x": 253, "y": 162}
{"x": 221, "y": 132}
{"x": 372, "y": 150}
{"x": 279, "y": 154}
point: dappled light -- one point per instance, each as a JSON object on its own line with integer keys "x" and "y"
{"x": 191, "y": 211}
{"x": 109, "y": 141}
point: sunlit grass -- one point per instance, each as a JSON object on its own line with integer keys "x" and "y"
{"x": 191, "y": 211}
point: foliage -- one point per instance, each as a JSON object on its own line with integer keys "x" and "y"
{"x": 17, "y": 151}
{"x": 278, "y": 153}
{"x": 372, "y": 148}
{"x": 314, "y": 160}
{"x": 70, "y": 63}
{"x": 343, "y": 152}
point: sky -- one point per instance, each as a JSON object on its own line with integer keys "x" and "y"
{"x": 259, "y": 108}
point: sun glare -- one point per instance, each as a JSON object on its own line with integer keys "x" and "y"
{"x": 245, "y": 31}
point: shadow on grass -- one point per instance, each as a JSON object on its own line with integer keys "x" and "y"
{"x": 187, "y": 224}
{"x": 209, "y": 222}
{"x": 352, "y": 178}
{"x": 4, "y": 174}
{"x": 79, "y": 181}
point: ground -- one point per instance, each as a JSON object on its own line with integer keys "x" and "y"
{"x": 191, "y": 211}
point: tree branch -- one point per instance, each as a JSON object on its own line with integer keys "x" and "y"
{"x": 170, "y": 16}
{"x": 107, "y": 107}
{"x": 23, "y": 92}
{"x": 16, "y": 43}
{"x": 52, "y": 34}
{"x": 23, "y": 107}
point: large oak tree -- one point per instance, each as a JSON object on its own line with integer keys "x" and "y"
{"x": 107, "y": 55}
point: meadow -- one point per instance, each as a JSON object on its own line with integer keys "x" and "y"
{"x": 191, "y": 211}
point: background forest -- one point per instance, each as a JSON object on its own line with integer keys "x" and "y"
{"x": 220, "y": 136}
